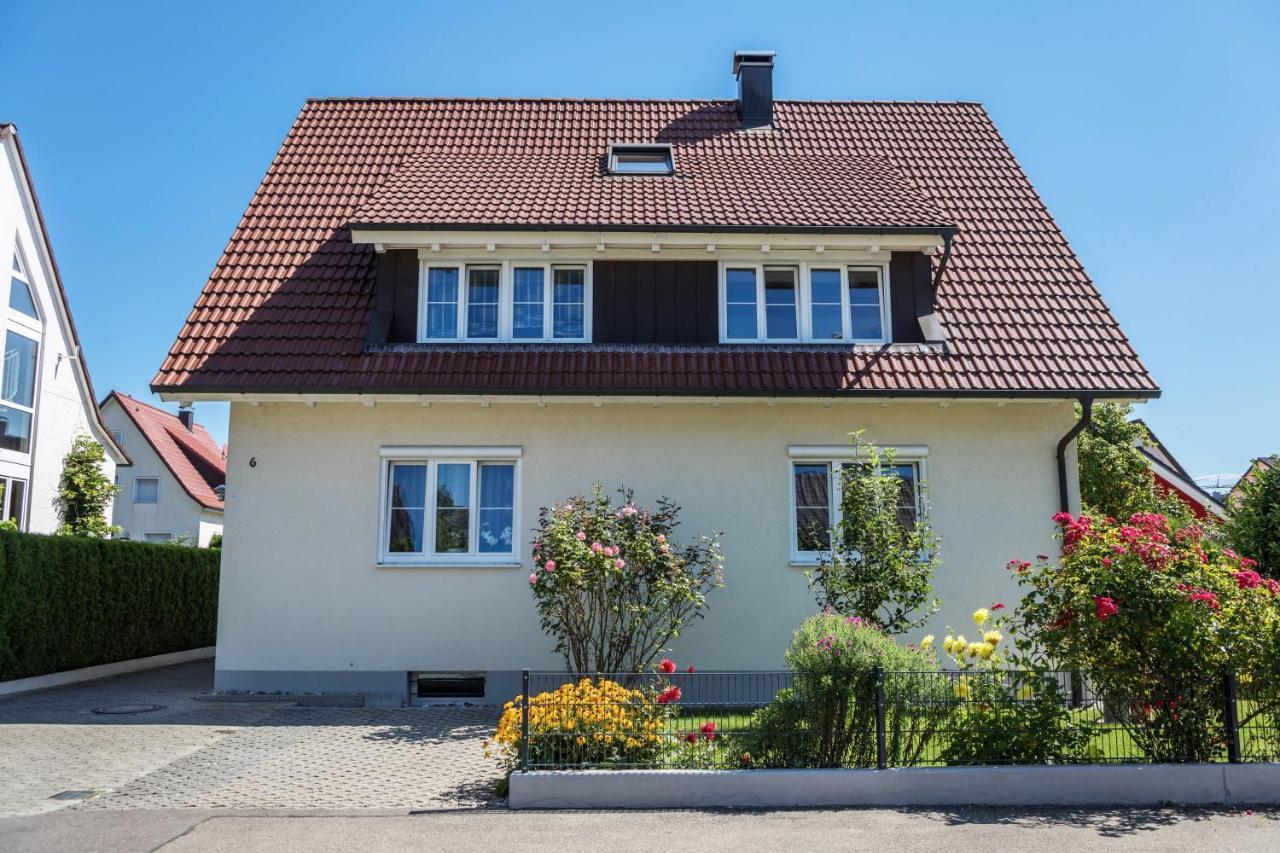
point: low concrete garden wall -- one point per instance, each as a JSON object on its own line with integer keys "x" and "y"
{"x": 1125, "y": 784}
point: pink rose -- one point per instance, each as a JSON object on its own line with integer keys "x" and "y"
{"x": 533, "y": 578}
{"x": 622, "y": 564}
{"x": 550, "y": 565}
{"x": 597, "y": 547}
{"x": 661, "y": 539}
{"x": 582, "y": 537}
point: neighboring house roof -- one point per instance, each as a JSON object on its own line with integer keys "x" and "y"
{"x": 289, "y": 303}
{"x": 192, "y": 456}
{"x": 1172, "y": 477}
{"x": 1256, "y": 467}
{"x": 10, "y": 132}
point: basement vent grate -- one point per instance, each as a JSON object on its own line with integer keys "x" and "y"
{"x": 448, "y": 685}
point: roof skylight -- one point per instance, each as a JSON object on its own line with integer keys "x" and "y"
{"x": 644, "y": 159}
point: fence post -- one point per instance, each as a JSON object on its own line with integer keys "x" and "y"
{"x": 524, "y": 723}
{"x": 1229, "y": 718}
{"x": 882, "y": 754}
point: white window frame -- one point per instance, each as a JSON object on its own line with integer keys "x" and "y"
{"x": 833, "y": 456}
{"x": 431, "y": 457}
{"x": 37, "y": 338}
{"x": 31, "y": 324}
{"x": 135, "y": 492}
{"x": 6, "y": 503}
{"x": 149, "y": 533}
{"x": 804, "y": 301}
{"x": 506, "y": 300}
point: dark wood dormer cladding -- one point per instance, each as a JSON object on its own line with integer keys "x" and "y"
{"x": 655, "y": 302}
{"x": 645, "y": 302}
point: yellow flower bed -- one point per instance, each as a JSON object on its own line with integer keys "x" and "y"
{"x": 583, "y": 723}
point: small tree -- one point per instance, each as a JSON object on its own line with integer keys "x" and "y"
{"x": 612, "y": 587}
{"x": 84, "y": 492}
{"x": 1253, "y": 521}
{"x": 880, "y": 562}
{"x": 1115, "y": 480}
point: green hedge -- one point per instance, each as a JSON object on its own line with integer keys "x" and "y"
{"x": 68, "y": 602}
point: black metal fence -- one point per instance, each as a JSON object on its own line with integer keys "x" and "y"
{"x": 878, "y": 718}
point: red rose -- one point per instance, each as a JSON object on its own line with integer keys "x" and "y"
{"x": 708, "y": 730}
{"x": 691, "y": 737}
{"x": 1105, "y": 606}
{"x": 669, "y": 695}
{"x": 668, "y": 666}
{"x": 690, "y": 670}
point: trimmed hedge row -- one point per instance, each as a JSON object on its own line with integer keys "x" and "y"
{"x": 67, "y": 602}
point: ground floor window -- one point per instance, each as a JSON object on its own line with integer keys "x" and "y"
{"x": 159, "y": 537}
{"x": 449, "y": 505}
{"x": 13, "y": 501}
{"x": 814, "y": 485}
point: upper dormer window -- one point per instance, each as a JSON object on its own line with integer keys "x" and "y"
{"x": 641, "y": 160}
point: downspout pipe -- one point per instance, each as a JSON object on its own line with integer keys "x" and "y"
{"x": 942, "y": 264}
{"x": 1086, "y": 418}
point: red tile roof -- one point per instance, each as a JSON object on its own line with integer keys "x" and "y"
{"x": 288, "y": 305}
{"x": 192, "y": 456}
{"x": 709, "y": 190}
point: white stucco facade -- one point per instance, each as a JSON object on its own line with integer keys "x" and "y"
{"x": 62, "y": 405}
{"x": 305, "y": 604}
{"x": 174, "y": 514}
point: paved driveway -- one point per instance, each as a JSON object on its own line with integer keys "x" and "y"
{"x": 233, "y": 755}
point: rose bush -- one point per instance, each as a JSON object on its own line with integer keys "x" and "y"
{"x": 1155, "y": 615}
{"x": 611, "y": 584}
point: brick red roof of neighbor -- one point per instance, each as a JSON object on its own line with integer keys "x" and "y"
{"x": 288, "y": 305}
{"x": 193, "y": 457}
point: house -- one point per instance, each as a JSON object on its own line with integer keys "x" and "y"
{"x": 487, "y": 305}
{"x": 173, "y": 491}
{"x": 1172, "y": 479}
{"x": 1256, "y": 467}
{"x": 46, "y": 398}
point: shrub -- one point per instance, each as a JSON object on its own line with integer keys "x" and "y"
{"x": 1253, "y": 521}
{"x": 587, "y": 723}
{"x": 1115, "y": 479}
{"x": 84, "y": 492}
{"x": 1154, "y": 615}
{"x": 69, "y": 602}
{"x": 1018, "y": 716}
{"x": 880, "y": 566}
{"x": 828, "y": 717}
{"x": 612, "y": 586}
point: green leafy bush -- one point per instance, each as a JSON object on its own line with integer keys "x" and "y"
{"x": 85, "y": 492}
{"x": 1253, "y": 520}
{"x": 1019, "y": 716}
{"x": 881, "y": 559}
{"x": 68, "y": 602}
{"x": 828, "y": 717}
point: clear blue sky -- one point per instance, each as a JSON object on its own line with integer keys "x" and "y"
{"x": 1152, "y": 130}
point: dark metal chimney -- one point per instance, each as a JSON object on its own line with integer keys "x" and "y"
{"x": 754, "y": 70}
{"x": 188, "y": 418}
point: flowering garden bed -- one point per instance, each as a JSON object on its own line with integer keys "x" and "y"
{"x": 898, "y": 719}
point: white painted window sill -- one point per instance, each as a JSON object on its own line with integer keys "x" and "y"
{"x": 452, "y": 564}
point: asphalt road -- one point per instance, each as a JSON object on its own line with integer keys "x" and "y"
{"x": 1041, "y": 830}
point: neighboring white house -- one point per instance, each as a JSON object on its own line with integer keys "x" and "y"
{"x": 46, "y": 398}
{"x": 445, "y": 314}
{"x": 173, "y": 490}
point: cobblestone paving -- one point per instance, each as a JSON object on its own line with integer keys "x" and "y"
{"x": 246, "y": 755}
